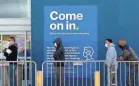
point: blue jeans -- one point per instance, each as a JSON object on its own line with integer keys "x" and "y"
{"x": 12, "y": 74}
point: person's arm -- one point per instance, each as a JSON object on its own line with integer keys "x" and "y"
{"x": 124, "y": 55}
{"x": 5, "y": 53}
{"x": 120, "y": 58}
{"x": 58, "y": 52}
{"x": 8, "y": 51}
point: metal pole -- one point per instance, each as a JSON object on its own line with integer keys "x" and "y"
{"x": 1, "y": 42}
{"x": 25, "y": 68}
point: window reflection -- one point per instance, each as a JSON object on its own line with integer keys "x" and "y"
{"x": 28, "y": 47}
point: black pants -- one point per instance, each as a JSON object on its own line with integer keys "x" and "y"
{"x": 59, "y": 76}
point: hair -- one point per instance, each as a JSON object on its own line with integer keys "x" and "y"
{"x": 109, "y": 40}
{"x": 12, "y": 38}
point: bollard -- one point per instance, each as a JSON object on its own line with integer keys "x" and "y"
{"x": 39, "y": 78}
{"x": 97, "y": 79}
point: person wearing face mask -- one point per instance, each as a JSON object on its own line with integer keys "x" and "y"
{"x": 11, "y": 55}
{"x": 59, "y": 55}
{"x": 128, "y": 54}
{"x": 111, "y": 62}
{"x": 12, "y": 51}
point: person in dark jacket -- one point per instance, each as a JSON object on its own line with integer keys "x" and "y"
{"x": 128, "y": 54}
{"x": 59, "y": 55}
{"x": 11, "y": 55}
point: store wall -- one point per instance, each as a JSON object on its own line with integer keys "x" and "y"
{"x": 117, "y": 19}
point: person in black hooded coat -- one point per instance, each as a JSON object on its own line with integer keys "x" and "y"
{"x": 59, "y": 55}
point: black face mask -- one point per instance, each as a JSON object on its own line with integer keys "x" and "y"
{"x": 122, "y": 47}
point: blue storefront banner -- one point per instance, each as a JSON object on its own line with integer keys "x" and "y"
{"x": 77, "y": 27}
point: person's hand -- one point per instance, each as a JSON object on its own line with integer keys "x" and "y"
{"x": 4, "y": 50}
{"x": 121, "y": 58}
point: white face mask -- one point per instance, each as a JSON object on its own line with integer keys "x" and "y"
{"x": 106, "y": 45}
{"x": 55, "y": 45}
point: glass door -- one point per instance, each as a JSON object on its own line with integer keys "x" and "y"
{"x": 23, "y": 41}
{"x": 20, "y": 38}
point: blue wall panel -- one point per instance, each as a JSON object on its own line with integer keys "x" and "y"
{"x": 117, "y": 19}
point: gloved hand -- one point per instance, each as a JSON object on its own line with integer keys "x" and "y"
{"x": 4, "y": 50}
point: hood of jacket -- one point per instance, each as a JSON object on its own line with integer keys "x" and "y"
{"x": 111, "y": 45}
{"x": 58, "y": 41}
